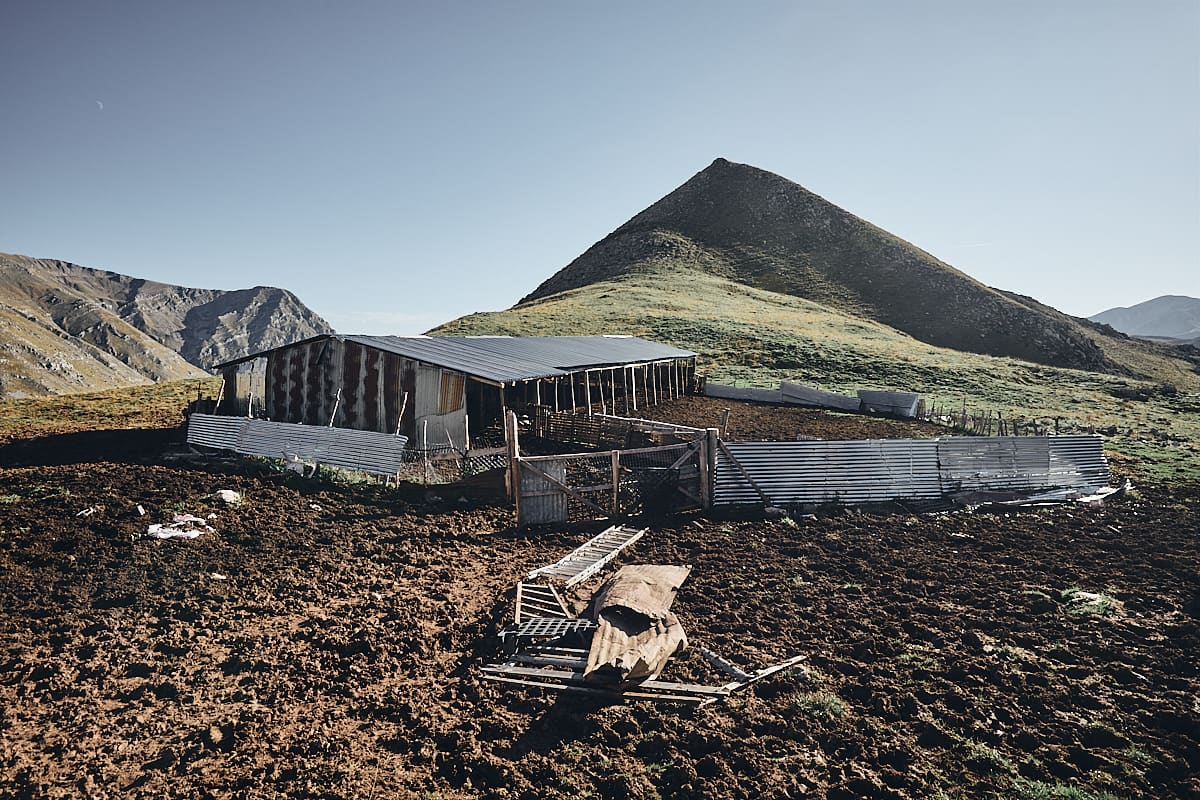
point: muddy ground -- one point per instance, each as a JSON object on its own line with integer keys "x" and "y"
{"x": 325, "y": 640}
{"x": 762, "y": 422}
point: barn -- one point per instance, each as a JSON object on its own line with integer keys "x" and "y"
{"x": 444, "y": 390}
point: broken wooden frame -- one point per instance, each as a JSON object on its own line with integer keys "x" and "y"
{"x": 561, "y": 669}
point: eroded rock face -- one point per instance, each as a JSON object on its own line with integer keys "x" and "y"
{"x": 66, "y": 328}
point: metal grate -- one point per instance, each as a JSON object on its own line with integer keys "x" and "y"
{"x": 552, "y": 627}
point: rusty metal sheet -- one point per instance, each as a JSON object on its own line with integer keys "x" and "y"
{"x": 645, "y": 589}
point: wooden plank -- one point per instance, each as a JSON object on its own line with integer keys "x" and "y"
{"x": 571, "y": 675}
{"x": 556, "y": 687}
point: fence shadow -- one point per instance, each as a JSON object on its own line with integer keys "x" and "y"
{"x": 126, "y": 446}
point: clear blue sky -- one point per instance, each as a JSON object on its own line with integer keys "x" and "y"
{"x": 397, "y": 165}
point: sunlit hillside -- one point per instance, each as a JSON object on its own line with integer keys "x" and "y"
{"x": 754, "y": 337}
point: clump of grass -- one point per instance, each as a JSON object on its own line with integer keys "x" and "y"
{"x": 9, "y": 499}
{"x": 1084, "y": 603}
{"x": 1137, "y": 755}
{"x": 822, "y": 705}
{"x": 987, "y": 757}
{"x": 1025, "y": 789}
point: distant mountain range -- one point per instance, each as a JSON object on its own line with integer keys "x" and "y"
{"x": 66, "y": 328}
{"x": 753, "y": 270}
{"x": 1168, "y": 318}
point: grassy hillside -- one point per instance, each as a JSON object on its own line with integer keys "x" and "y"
{"x": 756, "y": 337}
{"x": 158, "y": 405}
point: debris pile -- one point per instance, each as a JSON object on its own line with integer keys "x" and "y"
{"x": 620, "y": 647}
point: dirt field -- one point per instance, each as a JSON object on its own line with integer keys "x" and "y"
{"x": 325, "y": 641}
{"x": 760, "y": 422}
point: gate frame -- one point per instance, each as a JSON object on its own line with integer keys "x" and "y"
{"x": 703, "y": 449}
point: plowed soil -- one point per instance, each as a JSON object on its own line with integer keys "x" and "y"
{"x": 325, "y": 641}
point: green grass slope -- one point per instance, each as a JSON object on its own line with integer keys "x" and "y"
{"x": 756, "y": 337}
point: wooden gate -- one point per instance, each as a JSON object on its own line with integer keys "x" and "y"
{"x": 618, "y": 483}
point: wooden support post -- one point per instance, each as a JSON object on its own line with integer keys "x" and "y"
{"x": 587, "y": 387}
{"x": 537, "y": 392}
{"x": 514, "y": 461}
{"x": 600, "y": 386}
{"x": 625, "y": 388}
{"x": 571, "y": 379}
{"x": 612, "y": 388}
{"x": 556, "y": 393}
{"x": 616, "y": 480}
{"x": 708, "y": 466}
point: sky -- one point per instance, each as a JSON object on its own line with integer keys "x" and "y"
{"x": 397, "y": 165}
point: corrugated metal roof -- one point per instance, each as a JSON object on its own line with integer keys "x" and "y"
{"x": 516, "y": 358}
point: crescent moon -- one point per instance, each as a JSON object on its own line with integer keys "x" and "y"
{"x": 101, "y": 105}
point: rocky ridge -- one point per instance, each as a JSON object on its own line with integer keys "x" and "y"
{"x": 67, "y": 328}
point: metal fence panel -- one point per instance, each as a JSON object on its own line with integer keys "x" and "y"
{"x": 794, "y": 473}
{"x": 364, "y": 451}
{"x": 209, "y": 430}
{"x": 853, "y": 472}
{"x": 743, "y": 393}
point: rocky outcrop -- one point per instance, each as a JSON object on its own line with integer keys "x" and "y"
{"x": 67, "y": 328}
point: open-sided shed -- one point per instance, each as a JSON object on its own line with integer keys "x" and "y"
{"x": 438, "y": 390}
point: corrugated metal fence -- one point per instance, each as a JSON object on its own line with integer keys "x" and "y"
{"x": 364, "y": 451}
{"x": 853, "y": 472}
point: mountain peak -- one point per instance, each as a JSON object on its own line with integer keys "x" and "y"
{"x": 762, "y": 230}
{"x": 1172, "y": 316}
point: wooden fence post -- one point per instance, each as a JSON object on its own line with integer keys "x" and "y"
{"x": 514, "y": 461}
{"x": 708, "y": 466}
{"x": 616, "y": 479}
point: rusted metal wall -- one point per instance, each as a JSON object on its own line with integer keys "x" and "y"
{"x": 354, "y": 386}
